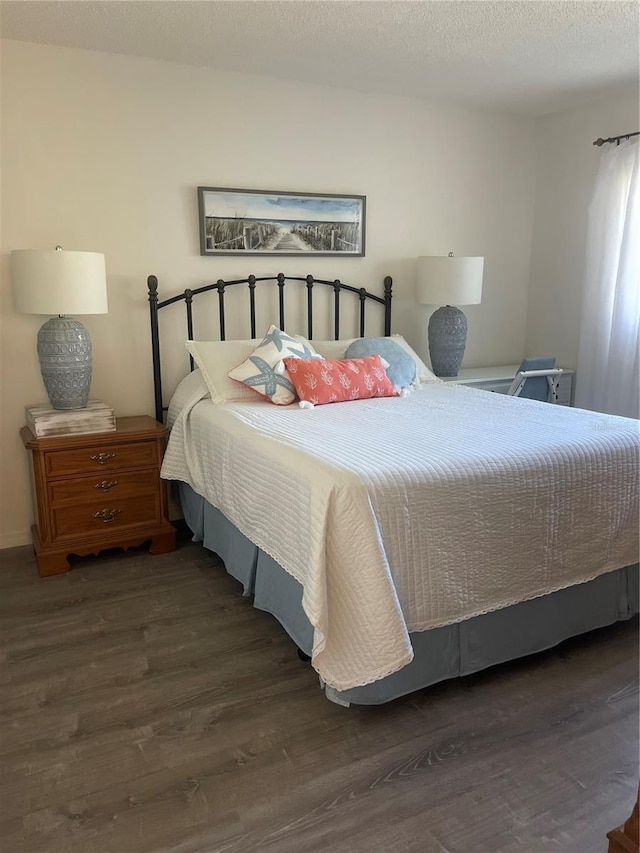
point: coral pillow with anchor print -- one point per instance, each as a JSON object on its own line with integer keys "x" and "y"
{"x": 264, "y": 370}
{"x": 319, "y": 382}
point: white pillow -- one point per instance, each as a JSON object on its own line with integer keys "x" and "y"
{"x": 215, "y": 359}
{"x": 264, "y": 369}
{"x": 190, "y": 389}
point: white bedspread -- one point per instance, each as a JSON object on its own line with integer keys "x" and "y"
{"x": 404, "y": 514}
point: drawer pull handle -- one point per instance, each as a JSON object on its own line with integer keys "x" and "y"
{"x": 107, "y": 515}
{"x": 103, "y": 458}
{"x": 105, "y": 485}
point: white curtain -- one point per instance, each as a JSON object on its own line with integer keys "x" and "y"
{"x": 607, "y": 377}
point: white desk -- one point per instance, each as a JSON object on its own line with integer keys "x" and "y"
{"x": 498, "y": 380}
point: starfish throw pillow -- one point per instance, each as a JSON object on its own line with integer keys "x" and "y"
{"x": 264, "y": 370}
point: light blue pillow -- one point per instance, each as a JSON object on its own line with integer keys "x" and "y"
{"x": 402, "y": 368}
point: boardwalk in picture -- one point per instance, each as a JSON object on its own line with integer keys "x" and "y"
{"x": 286, "y": 241}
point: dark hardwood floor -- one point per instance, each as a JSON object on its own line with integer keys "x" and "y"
{"x": 146, "y": 706}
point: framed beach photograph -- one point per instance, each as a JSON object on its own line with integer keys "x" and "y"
{"x": 258, "y": 222}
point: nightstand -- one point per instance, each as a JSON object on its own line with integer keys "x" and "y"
{"x": 97, "y": 491}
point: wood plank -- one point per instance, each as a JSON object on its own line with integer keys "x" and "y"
{"x": 146, "y": 706}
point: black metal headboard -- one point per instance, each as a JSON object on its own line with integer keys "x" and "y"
{"x": 220, "y": 286}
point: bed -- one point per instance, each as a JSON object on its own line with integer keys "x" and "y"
{"x": 402, "y": 541}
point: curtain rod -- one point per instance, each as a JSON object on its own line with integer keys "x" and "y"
{"x": 616, "y": 139}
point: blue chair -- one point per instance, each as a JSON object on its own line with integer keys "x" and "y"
{"x": 537, "y": 379}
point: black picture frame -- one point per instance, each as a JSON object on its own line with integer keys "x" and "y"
{"x": 273, "y": 222}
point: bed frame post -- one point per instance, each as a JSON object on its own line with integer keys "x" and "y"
{"x": 281, "y": 280}
{"x": 388, "y": 282}
{"x": 152, "y": 284}
{"x": 336, "y": 310}
{"x": 220, "y": 285}
{"x": 251, "y": 281}
{"x": 310, "y": 307}
{"x": 363, "y": 296}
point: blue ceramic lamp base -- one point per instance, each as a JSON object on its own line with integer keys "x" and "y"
{"x": 64, "y": 349}
{"x": 447, "y": 340}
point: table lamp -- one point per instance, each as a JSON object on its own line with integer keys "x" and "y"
{"x": 59, "y": 282}
{"x": 443, "y": 281}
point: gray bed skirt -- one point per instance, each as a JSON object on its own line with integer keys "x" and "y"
{"x": 439, "y": 653}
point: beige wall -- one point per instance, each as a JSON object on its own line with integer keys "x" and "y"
{"x": 566, "y": 168}
{"x": 104, "y": 153}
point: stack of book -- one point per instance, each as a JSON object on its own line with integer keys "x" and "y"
{"x": 44, "y": 421}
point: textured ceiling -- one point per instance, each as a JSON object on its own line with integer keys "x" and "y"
{"x": 521, "y": 56}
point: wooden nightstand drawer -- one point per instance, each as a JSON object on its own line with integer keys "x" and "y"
{"x": 101, "y": 457}
{"x": 99, "y": 491}
{"x": 111, "y": 487}
{"x": 104, "y": 516}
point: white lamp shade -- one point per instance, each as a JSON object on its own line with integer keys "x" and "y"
{"x": 449, "y": 281}
{"x": 59, "y": 282}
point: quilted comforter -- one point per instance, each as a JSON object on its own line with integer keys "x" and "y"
{"x": 404, "y": 514}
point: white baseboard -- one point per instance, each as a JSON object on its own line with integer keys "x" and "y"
{"x": 13, "y": 540}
